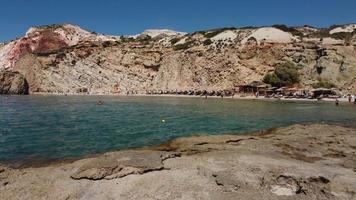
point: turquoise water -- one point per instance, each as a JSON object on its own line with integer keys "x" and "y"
{"x": 57, "y": 127}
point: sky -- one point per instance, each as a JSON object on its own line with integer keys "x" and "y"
{"x": 125, "y": 17}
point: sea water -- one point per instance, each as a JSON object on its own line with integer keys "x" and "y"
{"x": 62, "y": 127}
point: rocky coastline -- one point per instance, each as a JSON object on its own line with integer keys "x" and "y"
{"x": 314, "y": 161}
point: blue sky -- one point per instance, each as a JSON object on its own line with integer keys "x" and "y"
{"x": 119, "y": 17}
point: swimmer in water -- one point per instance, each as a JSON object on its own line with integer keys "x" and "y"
{"x": 337, "y": 102}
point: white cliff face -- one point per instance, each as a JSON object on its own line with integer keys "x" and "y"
{"x": 344, "y": 29}
{"x": 226, "y": 35}
{"x": 272, "y": 35}
{"x": 156, "y": 32}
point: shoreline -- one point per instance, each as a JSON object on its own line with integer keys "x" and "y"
{"x": 48, "y": 162}
{"x": 236, "y": 97}
{"x": 42, "y": 162}
{"x": 314, "y": 161}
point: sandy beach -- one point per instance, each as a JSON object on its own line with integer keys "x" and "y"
{"x": 253, "y": 98}
{"x": 314, "y": 161}
{"x": 237, "y": 97}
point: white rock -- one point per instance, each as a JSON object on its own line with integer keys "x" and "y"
{"x": 344, "y": 29}
{"x": 155, "y": 32}
{"x": 270, "y": 34}
{"x": 182, "y": 41}
{"x": 225, "y": 35}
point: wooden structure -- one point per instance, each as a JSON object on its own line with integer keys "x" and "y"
{"x": 254, "y": 87}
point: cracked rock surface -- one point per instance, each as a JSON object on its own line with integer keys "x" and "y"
{"x": 120, "y": 164}
{"x": 297, "y": 162}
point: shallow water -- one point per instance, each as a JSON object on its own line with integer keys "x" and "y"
{"x": 58, "y": 127}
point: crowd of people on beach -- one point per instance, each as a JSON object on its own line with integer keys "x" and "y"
{"x": 228, "y": 93}
{"x": 204, "y": 93}
{"x": 302, "y": 94}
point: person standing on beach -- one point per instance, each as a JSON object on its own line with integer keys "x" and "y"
{"x": 337, "y": 102}
{"x": 350, "y": 98}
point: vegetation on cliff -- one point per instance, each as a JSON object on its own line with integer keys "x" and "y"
{"x": 285, "y": 74}
{"x": 184, "y": 46}
{"x": 291, "y": 30}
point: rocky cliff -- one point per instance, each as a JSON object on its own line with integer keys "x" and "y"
{"x": 66, "y": 59}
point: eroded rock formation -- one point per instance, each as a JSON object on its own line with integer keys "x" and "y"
{"x": 66, "y": 59}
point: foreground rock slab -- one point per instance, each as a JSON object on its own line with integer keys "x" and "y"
{"x": 120, "y": 164}
{"x": 298, "y": 162}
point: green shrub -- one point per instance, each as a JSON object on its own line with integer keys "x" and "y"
{"x": 271, "y": 79}
{"x": 213, "y": 33}
{"x": 252, "y": 39}
{"x": 341, "y": 35}
{"x": 333, "y": 26}
{"x": 50, "y": 26}
{"x": 197, "y": 32}
{"x": 347, "y": 37}
{"x": 183, "y": 46}
{"x": 127, "y": 39}
{"x": 247, "y": 27}
{"x": 144, "y": 38}
{"x": 322, "y": 33}
{"x": 106, "y": 44}
{"x": 174, "y": 40}
{"x": 324, "y": 84}
{"x": 291, "y": 30}
{"x": 207, "y": 42}
{"x": 285, "y": 74}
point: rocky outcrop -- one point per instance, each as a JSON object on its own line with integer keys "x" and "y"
{"x": 13, "y": 83}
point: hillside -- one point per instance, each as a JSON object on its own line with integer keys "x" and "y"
{"x": 66, "y": 59}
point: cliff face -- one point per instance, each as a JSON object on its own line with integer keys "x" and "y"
{"x": 67, "y": 59}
